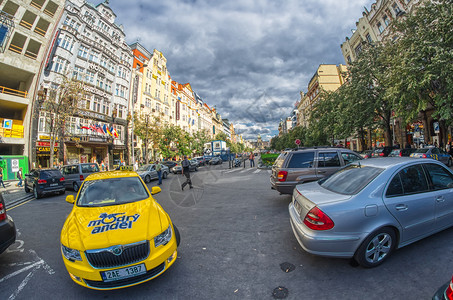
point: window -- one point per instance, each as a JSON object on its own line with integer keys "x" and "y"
{"x": 368, "y": 38}
{"x": 349, "y": 158}
{"x": 89, "y": 77}
{"x": 302, "y": 160}
{"x": 328, "y": 159}
{"x": 380, "y": 27}
{"x": 59, "y": 65}
{"x": 413, "y": 179}
{"x": 94, "y": 57}
{"x": 78, "y": 71}
{"x": 386, "y": 21}
{"x": 358, "y": 49}
{"x": 395, "y": 187}
{"x": 83, "y": 51}
{"x": 440, "y": 177}
{"x": 349, "y": 58}
{"x": 396, "y": 9}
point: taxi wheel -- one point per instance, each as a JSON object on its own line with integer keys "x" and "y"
{"x": 376, "y": 248}
{"x": 75, "y": 186}
{"x": 177, "y": 235}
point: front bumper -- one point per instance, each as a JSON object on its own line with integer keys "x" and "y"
{"x": 7, "y": 233}
{"x": 323, "y": 243}
{"x": 159, "y": 260}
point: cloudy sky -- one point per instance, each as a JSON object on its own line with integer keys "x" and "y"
{"x": 249, "y": 59}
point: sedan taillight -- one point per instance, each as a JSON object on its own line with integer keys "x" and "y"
{"x": 316, "y": 219}
{"x": 282, "y": 175}
{"x": 2, "y": 212}
{"x": 41, "y": 181}
{"x": 449, "y": 291}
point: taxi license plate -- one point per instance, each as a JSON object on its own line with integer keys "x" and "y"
{"x": 123, "y": 273}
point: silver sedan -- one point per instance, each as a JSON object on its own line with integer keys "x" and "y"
{"x": 148, "y": 172}
{"x": 372, "y": 207}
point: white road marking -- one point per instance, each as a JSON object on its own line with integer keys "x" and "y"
{"x": 22, "y": 284}
{"x": 256, "y": 171}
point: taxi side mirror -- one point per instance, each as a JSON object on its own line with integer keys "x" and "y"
{"x": 154, "y": 190}
{"x": 70, "y": 199}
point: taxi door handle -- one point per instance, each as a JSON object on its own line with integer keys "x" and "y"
{"x": 401, "y": 207}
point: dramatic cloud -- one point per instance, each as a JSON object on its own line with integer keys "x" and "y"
{"x": 248, "y": 58}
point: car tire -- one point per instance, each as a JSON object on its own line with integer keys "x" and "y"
{"x": 36, "y": 193}
{"x": 177, "y": 235}
{"x": 75, "y": 187}
{"x": 376, "y": 248}
{"x": 147, "y": 179}
{"x": 164, "y": 175}
{"x": 27, "y": 190}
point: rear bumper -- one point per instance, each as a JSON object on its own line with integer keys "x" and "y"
{"x": 282, "y": 187}
{"x": 323, "y": 243}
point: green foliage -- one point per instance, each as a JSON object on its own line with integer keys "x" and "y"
{"x": 269, "y": 159}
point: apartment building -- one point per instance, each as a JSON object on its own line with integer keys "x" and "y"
{"x": 326, "y": 77}
{"x": 26, "y": 31}
{"x": 90, "y": 47}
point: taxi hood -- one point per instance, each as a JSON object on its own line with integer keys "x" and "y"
{"x": 99, "y": 227}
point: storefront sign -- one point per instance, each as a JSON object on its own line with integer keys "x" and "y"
{"x": 46, "y": 137}
{"x": 91, "y": 114}
{"x": 45, "y": 150}
{"x": 95, "y": 91}
{"x": 97, "y": 139}
{"x": 45, "y": 144}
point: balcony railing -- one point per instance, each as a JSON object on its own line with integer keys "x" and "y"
{"x": 5, "y": 90}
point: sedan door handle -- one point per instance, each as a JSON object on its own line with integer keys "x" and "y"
{"x": 440, "y": 199}
{"x": 401, "y": 207}
{"x": 321, "y": 172}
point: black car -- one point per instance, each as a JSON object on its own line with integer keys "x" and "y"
{"x": 44, "y": 181}
{"x": 201, "y": 160}
{"x": 170, "y": 164}
{"x": 382, "y": 151}
{"x": 215, "y": 161}
{"x": 402, "y": 152}
{"x": 7, "y": 228}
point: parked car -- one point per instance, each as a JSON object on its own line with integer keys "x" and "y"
{"x": 7, "y": 228}
{"x": 366, "y": 154}
{"x": 445, "y": 292}
{"x": 382, "y": 151}
{"x": 169, "y": 163}
{"x": 216, "y": 160}
{"x": 116, "y": 234}
{"x": 44, "y": 181}
{"x": 148, "y": 172}
{"x": 178, "y": 168}
{"x": 201, "y": 160}
{"x": 75, "y": 174}
{"x": 372, "y": 207}
{"x": 293, "y": 167}
{"x": 434, "y": 153}
{"x": 402, "y": 152}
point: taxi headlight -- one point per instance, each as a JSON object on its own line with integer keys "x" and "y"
{"x": 70, "y": 254}
{"x": 163, "y": 238}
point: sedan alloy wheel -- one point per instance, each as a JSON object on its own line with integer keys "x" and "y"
{"x": 376, "y": 248}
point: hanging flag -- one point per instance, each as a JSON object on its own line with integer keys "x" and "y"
{"x": 99, "y": 129}
{"x": 92, "y": 127}
{"x": 107, "y": 130}
{"x": 115, "y": 133}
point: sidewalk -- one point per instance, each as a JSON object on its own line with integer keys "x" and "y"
{"x": 14, "y": 194}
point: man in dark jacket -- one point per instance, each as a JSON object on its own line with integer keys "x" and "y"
{"x": 186, "y": 171}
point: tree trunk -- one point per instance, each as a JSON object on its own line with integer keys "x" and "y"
{"x": 426, "y": 131}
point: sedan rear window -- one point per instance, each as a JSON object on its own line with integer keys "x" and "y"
{"x": 50, "y": 173}
{"x": 350, "y": 180}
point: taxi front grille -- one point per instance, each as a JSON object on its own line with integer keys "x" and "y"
{"x": 125, "y": 255}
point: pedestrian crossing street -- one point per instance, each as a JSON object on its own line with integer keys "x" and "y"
{"x": 248, "y": 171}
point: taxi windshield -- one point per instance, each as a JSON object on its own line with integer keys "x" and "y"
{"x": 112, "y": 191}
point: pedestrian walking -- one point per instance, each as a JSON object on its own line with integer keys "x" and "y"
{"x": 102, "y": 166}
{"x": 159, "y": 171}
{"x": 20, "y": 177}
{"x": 252, "y": 160}
{"x": 1, "y": 177}
{"x": 186, "y": 172}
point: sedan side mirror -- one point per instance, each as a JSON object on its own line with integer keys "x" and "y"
{"x": 154, "y": 190}
{"x": 70, "y": 199}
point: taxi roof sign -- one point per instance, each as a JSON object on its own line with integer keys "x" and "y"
{"x": 126, "y": 168}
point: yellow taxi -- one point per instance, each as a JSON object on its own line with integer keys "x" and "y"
{"x": 117, "y": 235}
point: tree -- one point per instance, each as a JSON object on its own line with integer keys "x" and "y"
{"x": 148, "y": 128}
{"x": 199, "y": 138}
{"x": 60, "y": 103}
{"x": 169, "y": 142}
{"x": 422, "y": 67}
